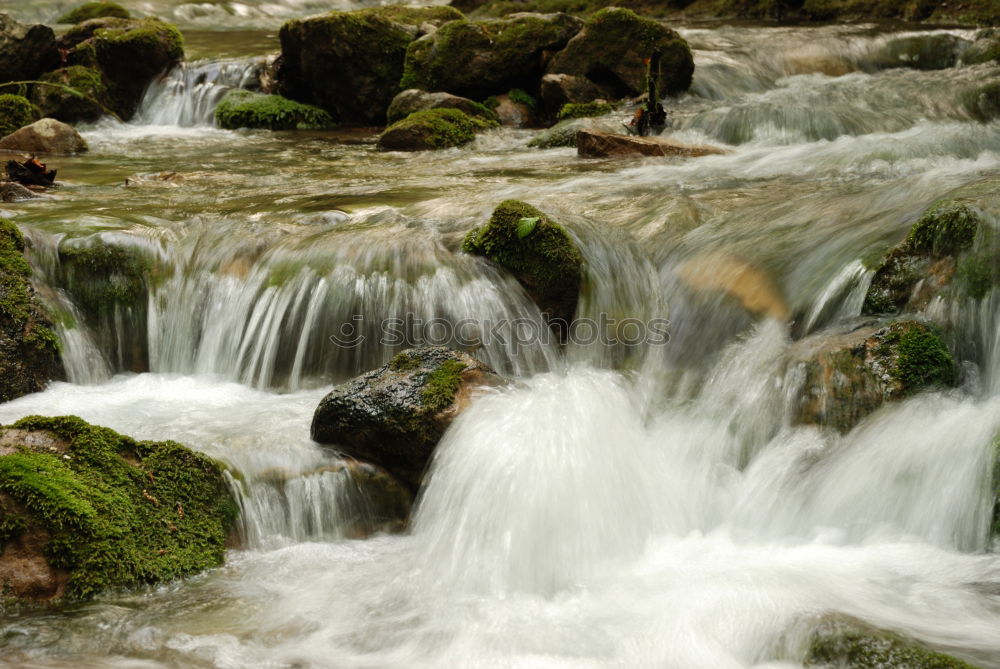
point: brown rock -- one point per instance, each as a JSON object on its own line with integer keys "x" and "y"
{"x": 45, "y": 136}
{"x": 602, "y": 145}
{"x": 560, "y": 89}
{"x": 514, "y": 114}
{"x": 13, "y": 192}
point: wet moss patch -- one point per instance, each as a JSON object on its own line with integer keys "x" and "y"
{"x": 583, "y": 110}
{"x": 15, "y": 113}
{"x": 94, "y": 10}
{"x": 432, "y": 129}
{"x": 243, "y": 109}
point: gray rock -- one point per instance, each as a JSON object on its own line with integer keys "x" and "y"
{"x": 414, "y": 100}
{"x": 45, "y": 136}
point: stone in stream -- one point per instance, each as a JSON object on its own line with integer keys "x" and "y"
{"x": 984, "y": 48}
{"x": 432, "y": 129}
{"x": 514, "y": 110}
{"x": 936, "y": 51}
{"x": 29, "y": 350}
{"x": 538, "y": 252}
{"x": 564, "y": 133}
{"x": 246, "y": 109}
{"x": 394, "y": 416}
{"x": 15, "y": 192}
{"x": 57, "y": 102}
{"x": 45, "y": 136}
{"x": 558, "y": 90}
{"x": 15, "y": 113}
{"x": 844, "y": 642}
{"x": 413, "y": 100}
{"x": 25, "y": 51}
{"x": 94, "y": 10}
{"x": 84, "y": 509}
{"x": 350, "y": 63}
{"x": 849, "y": 376}
{"x": 605, "y": 145}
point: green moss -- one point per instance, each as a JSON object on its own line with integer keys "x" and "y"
{"x": 976, "y": 275}
{"x": 15, "y": 113}
{"x": 59, "y": 103}
{"x": 983, "y": 102}
{"x": 404, "y": 362}
{"x": 433, "y": 129}
{"x": 521, "y": 97}
{"x": 15, "y": 294}
{"x": 414, "y": 16}
{"x": 102, "y": 276}
{"x": 852, "y": 648}
{"x": 94, "y": 10}
{"x": 243, "y": 109}
{"x": 120, "y": 512}
{"x": 442, "y": 384}
{"x": 946, "y": 228}
{"x": 141, "y": 35}
{"x": 921, "y": 359}
{"x": 583, "y": 110}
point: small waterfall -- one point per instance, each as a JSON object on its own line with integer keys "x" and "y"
{"x": 187, "y": 95}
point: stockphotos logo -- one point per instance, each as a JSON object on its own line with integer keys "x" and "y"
{"x": 504, "y": 333}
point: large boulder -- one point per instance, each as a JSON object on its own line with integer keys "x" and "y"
{"x": 591, "y": 144}
{"x": 937, "y": 51}
{"x": 25, "y": 51}
{"x": 431, "y": 130}
{"x": 413, "y": 100}
{"x": 130, "y": 53}
{"x": 612, "y": 48}
{"x": 94, "y": 10}
{"x": 84, "y": 509}
{"x": 350, "y": 63}
{"x": 245, "y": 109}
{"x": 45, "y": 136}
{"x": 56, "y": 101}
{"x": 394, "y": 416}
{"x": 538, "y": 252}
{"x": 16, "y": 112}
{"x": 849, "y": 376}
{"x": 558, "y": 90}
{"x": 481, "y": 58}
{"x": 29, "y": 350}
{"x": 936, "y": 258}
{"x": 985, "y": 48}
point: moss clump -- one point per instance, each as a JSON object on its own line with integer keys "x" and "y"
{"x": 119, "y": 512}
{"x": 946, "y": 228}
{"x": 403, "y": 362}
{"x": 849, "y": 647}
{"x": 94, "y": 10}
{"x": 243, "y": 109}
{"x": 58, "y": 103}
{"x": 543, "y": 259}
{"x": 15, "y": 113}
{"x": 583, "y": 110}
{"x": 922, "y": 359}
{"x": 442, "y": 384}
{"x": 522, "y": 97}
{"x": 102, "y": 277}
{"x": 432, "y": 129}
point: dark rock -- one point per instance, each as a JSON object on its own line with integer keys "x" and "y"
{"x": 431, "y": 130}
{"x": 25, "y": 51}
{"x": 413, "y": 100}
{"x": 45, "y": 136}
{"x": 94, "y": 10}
{"x": 15, "y": 113}
{"x": 611, "y": 50}
{"x": 602, "y": 145}
{"x": 984, "y": 49}
{"x": 58, "y": 103}
{"x": 350, "y": 63}
{"x": 481, "y": 58}
{"x": 394, "y": 416}
{"x": 841, "y": 642}
{"x": 922, "y": 52}
{"x": 514, "y": 114}
{"x": 558, "y": 90}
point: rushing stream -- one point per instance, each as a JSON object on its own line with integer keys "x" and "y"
{"x": 618, "y": 504}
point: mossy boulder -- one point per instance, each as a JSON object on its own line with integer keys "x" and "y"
{"x": 938, "y": 248}
{"x": 25, "y": 51}
{"x": 564, "y": 133}
{"x": 350, "y": 63}
{"x": 612, "y": 48}
{"x": 936, "y": 51}
{"x": 849, "y": 376}
{"x": 583, "y": 110}
{"x": 244, "y": 109}
{"x": 538, "y": 252}
{"x": 29, "y": 350}
{"x": 57, "y": 102}
{"x": 985, "y": 48}
{"x": 87, "y": 509}
{"x": 413, "y": 100}
{"x": 982, "y": 102}
{"x": 431, "y": 130}
{"x": 129, "y": 53}
{"x": 477, "y": 59}
{"x": 15, "y": 113}
{"x": 840, "y": 643}
{"x": 94, "y": 10}
{"x": 559, "y": 90}
{"x": 394, "y": 416}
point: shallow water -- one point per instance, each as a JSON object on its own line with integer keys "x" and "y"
{"x": 616, "y": 505}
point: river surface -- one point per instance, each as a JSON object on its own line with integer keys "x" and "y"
{"x": 619, "y": 505}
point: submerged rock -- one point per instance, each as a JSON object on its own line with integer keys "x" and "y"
{"x": 413, "y": 100}
{"x": 723, "y": 272}
{"x": 94, "y": 10}
{"x": 394, "y": 416}
{"x": 839, "y": 643}
{"x": 936, "y": 51}
{"x": 849, "y": 376}
{"x": 432, "y": 129}
{"x": 611, "y": 50}
{"x": 25, "y": 51}
{"x": 14, "y": 192}
{"x": 45, "y": 136}
{"x": 244, "y": 109}
{"x": 84, "y": 509}
{"x": 515, "y": 109}
{"x": 538, "y": 252}
{"x": 57, "y": 102}
{"x": 604, "y": 145}
{"x": 29, "y": 350}
{"x": 350, "y": 63}
{"x": 564, "y": 132}
{"x": 481, "y": 58}
{"x": 16, "y": 112}
{"x": 985, "y": 48}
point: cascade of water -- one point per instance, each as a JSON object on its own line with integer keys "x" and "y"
{"x": 188, "y": 94}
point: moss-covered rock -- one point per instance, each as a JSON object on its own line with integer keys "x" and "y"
{"x": 92, "y": 510}
{"x": 516, "y": 109}
{"x": 564, "y": 133}
{"x": 16, "y": 112}
{"x": 25, "y": 51}
{"x": 495, "y": 55}
{"x": 394, "y": 416}
{"x": 982, "y": 102}
{"x": 849, "y": 376}
{"x": 29, "y": 350}
{"x": 129, "y": 53}
{"x": 94, "y": 10}
{"x": 537, "y": 251}
{"x": 583, "y": 110}
{"x": 432, "y": 129}
{"x": 936, "y": 51}
{"x": 612, "y": 48}
{"x": 244, "y": 109}
{"x": 855, "y": 645}
{"x": 924, "y": 264}
{"x": 57, "y": 102}
{"x": 413, "y": 100}
{"x": 350, "y": 63}
{"x": 559, "y": 90}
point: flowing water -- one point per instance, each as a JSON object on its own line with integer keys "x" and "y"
{"x": 621, "y": 503}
